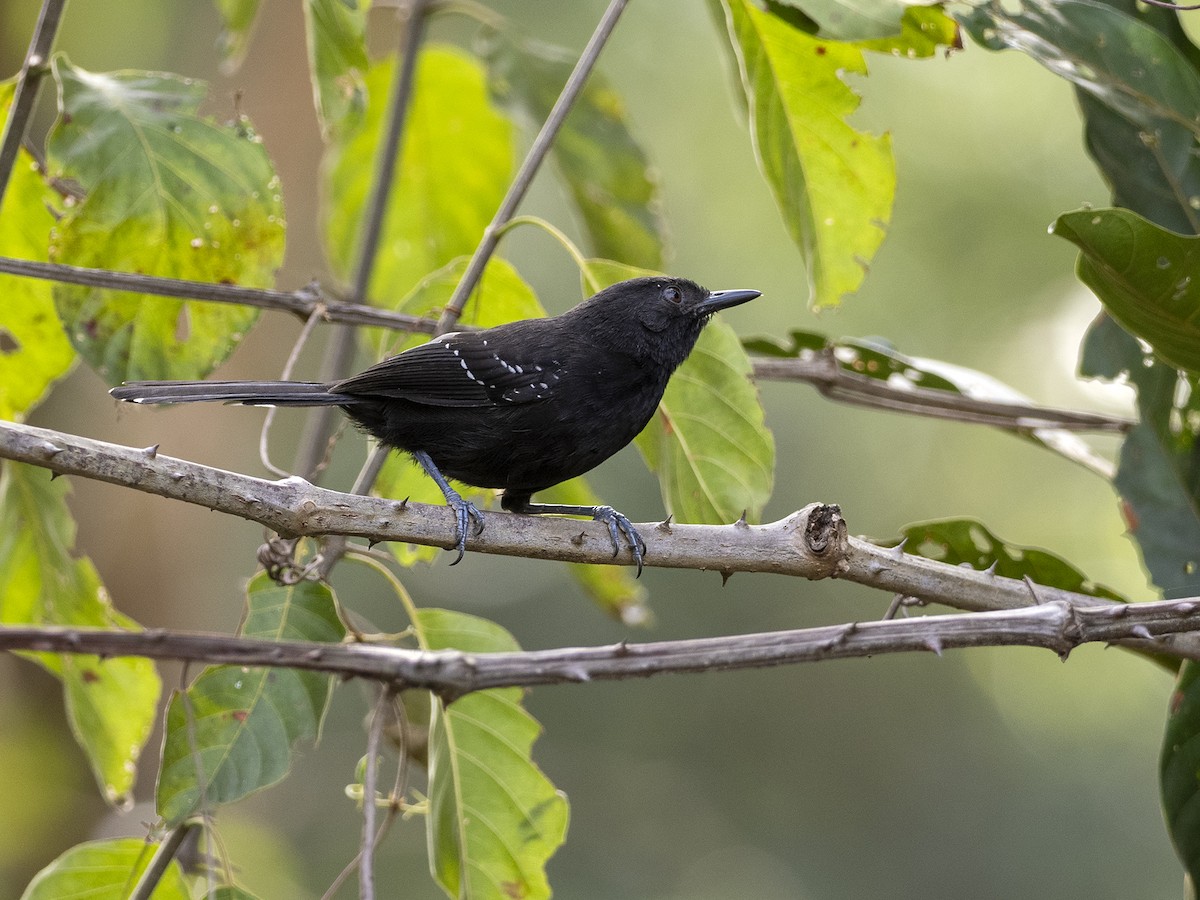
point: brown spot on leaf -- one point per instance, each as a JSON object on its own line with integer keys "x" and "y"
{"x": 89, "y": 676}
{"x": 8, "y": 343}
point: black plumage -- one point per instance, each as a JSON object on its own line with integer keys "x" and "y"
{"x": 519, "y": 407}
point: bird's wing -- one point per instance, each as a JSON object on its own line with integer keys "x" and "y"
{"x": 457, "y": 369}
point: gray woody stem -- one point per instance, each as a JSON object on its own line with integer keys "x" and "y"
{"x": 1057, "y": 626}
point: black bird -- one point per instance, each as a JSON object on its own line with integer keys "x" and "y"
{"x": 521, "y": 406}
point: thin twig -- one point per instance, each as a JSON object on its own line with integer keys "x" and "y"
{"x": 162, "y": 858}
{"x": 339, "y": 358}
{"x": 366, "y": 861}
{"x": 264, "y": 451}
{"x": 303, "y": 302}
{"x": 1165, "y": 627}
{"x": 37, "y": 64}
{"x": 823, "y": 372}
{"x": 537, "y": 154}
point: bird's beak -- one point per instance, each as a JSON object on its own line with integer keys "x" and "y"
{"x": 723, "y": 300}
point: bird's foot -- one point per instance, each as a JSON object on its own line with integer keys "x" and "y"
{"x": 465, "y": 512}
{"x": 619, "y": 526}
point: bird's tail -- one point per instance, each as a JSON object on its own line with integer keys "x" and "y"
{"x": 250, "y": 393}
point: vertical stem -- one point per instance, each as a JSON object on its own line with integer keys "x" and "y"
{"x": 366, "y": 859}
{"x": 340, "y": 355}
{"x": 537, "y": 153}
{"x": 36, "y": 66}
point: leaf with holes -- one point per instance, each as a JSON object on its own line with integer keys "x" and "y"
{"x": 165, "y": 192}
{"x": 494, "y": 819}
{"x": 1147, "y": 278}
{"x": 34, "y": 351}
{"x": 104, "y": 870}
{"x": 833, "y": 184}
{"x": 958, "y": 542}
{"x": 233, "y": 731}
{"x": 111, "y": 704}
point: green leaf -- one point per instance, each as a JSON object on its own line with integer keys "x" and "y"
{"x": 611, "y": 182}
{"x": 613, "y": 588}
{"x": 337, "y": 55}
{"x": 456, "y": 164}
{"x": 104, "y": 870}
{"x": 1179, "y": 768}
{"x": 111, "y": 703}
{"x": 494, "y": 818}
{"x": 233, "y": 731}
{"x": 34, "y": 351}
{"x": 960, "y": 542}
{"x": 1138, "y": 90}
{"x": 834, "y": 185}
{"x": 167, "y": 193}
{"x": 708, "y": 444}
{"x": 1157, "y": 477}
{"x": 237, "y": 24}
{"x": 502, "y": 296}
{"x": 846, "y": 20}
{"x": 1147, "y": 278}
{"x": 923, "y": 29}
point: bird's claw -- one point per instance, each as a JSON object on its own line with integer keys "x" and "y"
{"x": 464, "y": 513}
{"x": 620, "y": 526}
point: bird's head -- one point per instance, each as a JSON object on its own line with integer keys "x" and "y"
{"x": 655, "y": 317}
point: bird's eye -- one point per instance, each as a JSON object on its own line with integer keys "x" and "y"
{"x": 672, "y": 294}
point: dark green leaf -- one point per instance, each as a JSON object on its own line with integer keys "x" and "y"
{"x": 1159, "y": 473}
{"x": 967, "y": 542}
{"x": 447, "y": 189}
{"x": 34, "y": 350}
{"x": 1179, "y": 768}
{"x": 611, "y": 182}
{"x": 708, "y": 444}
{"x": 1147, "y": 278}
{"x": 167, "y": 193}
{"x": 111, "y": 703}
{"x": 1139, "y": 92}
{"x": 337, "y": 55}
{"x": 104, "y": 870}
{"x": 834, "y": 185}
{"x": 234, "y": 730}
{"x": 494, "y": 818}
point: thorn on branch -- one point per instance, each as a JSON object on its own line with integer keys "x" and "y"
{"x": 726, "y": 574}
{"x": 150, "y": 452}
{"x": 665, "y": 525}
{"x": 898, "y": 550}
{"x": 741, "y": 522}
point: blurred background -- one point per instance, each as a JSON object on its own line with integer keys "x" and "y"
{"x": 991, "y": 773}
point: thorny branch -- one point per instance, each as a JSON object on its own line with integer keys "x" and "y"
{"x": 1056, "y": 626}
{"x": 811, "y": 543}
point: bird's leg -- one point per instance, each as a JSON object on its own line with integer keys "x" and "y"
{"x": 618, "y": 525}
{"x": 464, "y": 510}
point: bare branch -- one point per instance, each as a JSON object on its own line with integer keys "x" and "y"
{"x": 1056, "y": 626}
{"x": 37, "y": 64}
{"x": 303, "y": 303}
{"x": 826, "y": 375}
{"x": 537, "y": 153}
